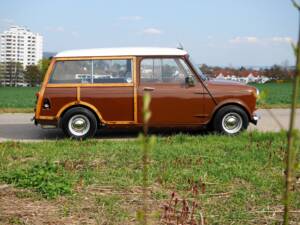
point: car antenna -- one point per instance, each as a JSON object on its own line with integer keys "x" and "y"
{"x": 180, "y": 46}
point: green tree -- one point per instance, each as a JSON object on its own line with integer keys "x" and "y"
{"x": 206, "y": 69}
{"x": 33, "y": 75}
{"x": 43, "y": 67}
{"x": 13, "y": 73}
{"x": 242, "y": 68}
{"x": 2, "y": 74}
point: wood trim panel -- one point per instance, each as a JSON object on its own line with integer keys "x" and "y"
{"x": 78, "y": 93}
{"x": 42, "y": 91}
{"x": 135, "y": 92}
{"x": 47, "y": 117}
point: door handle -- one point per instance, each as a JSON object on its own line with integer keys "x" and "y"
{"x": 149, "y": 89}
{"x": 198, "y": 92}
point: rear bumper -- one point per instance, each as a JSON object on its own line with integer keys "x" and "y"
{"x": 46, "y": 124}
{"x": 34, "y": 120}
{"x": 255, "y": 117}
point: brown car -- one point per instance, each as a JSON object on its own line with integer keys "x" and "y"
{"x": 85, "y": 90}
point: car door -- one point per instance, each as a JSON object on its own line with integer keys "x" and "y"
{"x": 173, "y": 101}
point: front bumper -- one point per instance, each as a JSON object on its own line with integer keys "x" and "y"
{"x": 255, "y": 117}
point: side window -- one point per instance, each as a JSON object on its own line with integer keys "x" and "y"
{"x": 112, "y": 71}
{"x": 92, "y": 71}
{"x": 72, "y": 72}
{"x": 186, "y": 68}
{"x": 164, "y": 70}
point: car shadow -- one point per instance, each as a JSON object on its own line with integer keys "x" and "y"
{"x": 32, "y": 132}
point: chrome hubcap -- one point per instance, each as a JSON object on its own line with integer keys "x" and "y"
{"x": 232, "y": 123}
{"x": 79, "y": 125}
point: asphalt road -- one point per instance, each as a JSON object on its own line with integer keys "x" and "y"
{"x": 17, "y": 126}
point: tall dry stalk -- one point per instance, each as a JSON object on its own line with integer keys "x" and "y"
{"x": 147, "y": 145}
{"x": 291, "y": 151}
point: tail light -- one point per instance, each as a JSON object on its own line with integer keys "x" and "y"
{"x": 46, "y": 103}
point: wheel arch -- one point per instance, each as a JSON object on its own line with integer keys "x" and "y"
{"x": 87, "y": 106}
{"x": 229, "y": 103}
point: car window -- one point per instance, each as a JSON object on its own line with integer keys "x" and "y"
{"x": 72, "y": 72}
{"x": 92, "y": 71}
{"x": 164, "y": 70}
{"x": 112, "y": 71}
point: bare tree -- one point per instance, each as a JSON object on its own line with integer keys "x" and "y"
{"x": 12, "y": 72}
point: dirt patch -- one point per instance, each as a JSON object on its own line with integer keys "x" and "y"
{"x": 24, "y": 207}
{"x": 101, "y": 205}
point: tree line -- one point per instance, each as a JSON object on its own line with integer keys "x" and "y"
{"x": 13, "y": 74}
{"x": 275, "y": 72}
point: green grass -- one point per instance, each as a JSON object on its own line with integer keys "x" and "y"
{"x": 20, "y": 98}
{"x": 247, "y": 169}
{"x": 49, "y": 179}
{"x": 276, "y": 94}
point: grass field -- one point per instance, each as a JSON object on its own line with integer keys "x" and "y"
{"x": 239, "y": 180}
{"x": 276, "y": 95}
{"x": 23, "y": 99}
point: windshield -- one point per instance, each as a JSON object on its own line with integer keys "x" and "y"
{"x": 199, "y": 72}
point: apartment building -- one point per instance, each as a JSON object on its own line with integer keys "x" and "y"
{"x": 19, "y": 47}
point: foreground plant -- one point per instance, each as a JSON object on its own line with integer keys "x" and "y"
{"x": 148, "y": 143}
{"x": 185, "y": 210}
{"x": 291, "y": 148}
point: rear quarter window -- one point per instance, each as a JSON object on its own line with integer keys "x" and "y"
{"x": 92, "y": 71}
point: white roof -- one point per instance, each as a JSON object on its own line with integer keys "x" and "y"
{"x": 136, "y": 51}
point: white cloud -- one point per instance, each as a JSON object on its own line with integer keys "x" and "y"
{"x": 131, "y": 18}
{"x": 240, "y": 40}
{"x": 263, "y": 41}
{"x": 152, "y": 30}
{"x": 60, "y": 29}
{"x": 282, "y": 40}
{"x": 75, "y": 34}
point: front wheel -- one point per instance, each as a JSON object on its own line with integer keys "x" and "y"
{"x": 230, "y": 120}
{"x": 79, "y": 123}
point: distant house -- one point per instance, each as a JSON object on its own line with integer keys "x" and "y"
{"x": 241, "y": 76}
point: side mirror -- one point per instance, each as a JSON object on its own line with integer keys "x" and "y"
{"x": 189, "y": 81}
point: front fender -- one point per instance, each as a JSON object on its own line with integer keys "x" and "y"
{"x": 231, "y": 101}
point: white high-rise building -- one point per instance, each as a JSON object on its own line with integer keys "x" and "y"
{"x": 19, "y": 46}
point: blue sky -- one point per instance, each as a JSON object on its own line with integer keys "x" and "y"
{"x": 219, "y": 32}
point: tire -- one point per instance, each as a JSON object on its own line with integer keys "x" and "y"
{"x": 230, "y": 120}
{"x": 79, "y": 123}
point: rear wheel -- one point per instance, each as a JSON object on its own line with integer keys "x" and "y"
{"x": 79, "y": 123}
{"x": 230, "y": 120}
